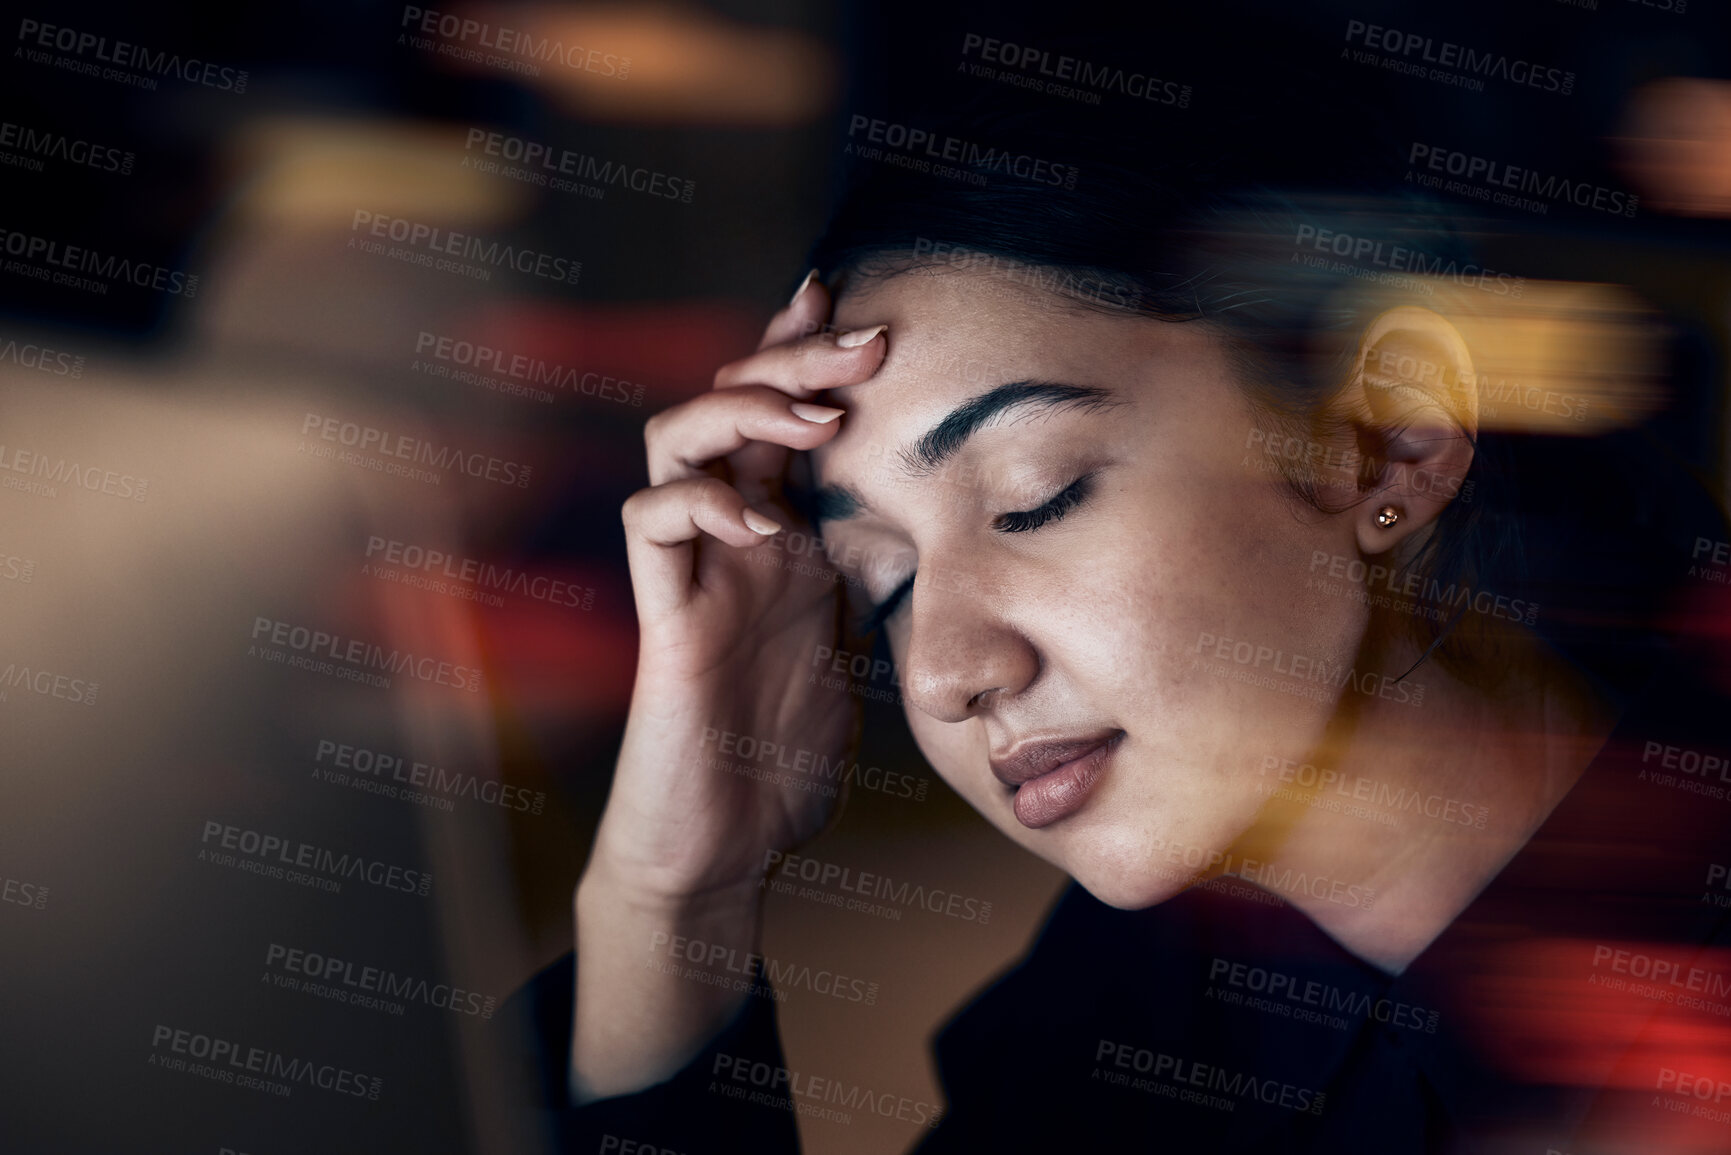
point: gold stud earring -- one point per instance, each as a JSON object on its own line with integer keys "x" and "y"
{"x": 1387, "y": 516}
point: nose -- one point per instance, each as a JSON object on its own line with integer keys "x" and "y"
{"x": 962, "y": 654}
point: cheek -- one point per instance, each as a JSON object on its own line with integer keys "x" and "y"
{"x": 1209, "y": 563}
{"x": 1134, "y": 608}
{"x": 1138, "y": 631}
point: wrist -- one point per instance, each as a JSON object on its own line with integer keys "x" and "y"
{"x": 607, "y": 885}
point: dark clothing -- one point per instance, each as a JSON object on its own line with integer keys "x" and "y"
{"x": 1225, "y": 1020}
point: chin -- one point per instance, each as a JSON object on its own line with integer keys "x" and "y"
{"x": 1126, "y": 871}
{"x": 1130, "y": 893}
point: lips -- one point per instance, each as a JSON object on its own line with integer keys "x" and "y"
{"x": 1053, "y": 779}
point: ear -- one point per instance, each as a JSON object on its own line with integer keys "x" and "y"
{"x": 1413, "y": 393}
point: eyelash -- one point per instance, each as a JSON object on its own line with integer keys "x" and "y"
{"x": 1066, "y": 500}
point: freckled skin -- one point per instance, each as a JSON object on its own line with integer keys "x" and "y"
{"x": 1091, "y": 622}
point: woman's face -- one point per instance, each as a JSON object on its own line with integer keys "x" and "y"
{"x": 1109, "y": 633}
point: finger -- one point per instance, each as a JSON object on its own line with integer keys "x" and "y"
{"x": 802, "y": 316}
{"x": 683, "y": 440}
{"x": 800, "y": 369}
{"x": 662, "y": 526}
{"x": 804, "y": 368}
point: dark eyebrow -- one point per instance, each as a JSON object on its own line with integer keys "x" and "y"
{"x": 945, "y": 439}
{"x": 834, "y": 503}
{"x": 824, "y": 503}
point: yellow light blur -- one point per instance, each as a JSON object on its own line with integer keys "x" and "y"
{"x": 1565, "y": 358}
{"x": 687, "y": 66}
{"x": 309, "y": 171}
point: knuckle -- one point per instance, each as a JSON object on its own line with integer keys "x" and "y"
{"x": 811, "y": 353}
{"x": 652, "y": 428}
{"x": 710, "y": 492}
{"x": 713, "y": 497}
{"x": 729, "y": 373}
{"x": 631, "y": 510}
{"x": 754, "y": 400}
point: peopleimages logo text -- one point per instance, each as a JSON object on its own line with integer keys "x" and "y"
{"x": 47, "y": 144}
{"x": 434, "y": 239}
{"x": 1447, "y": 54}
{"x": 15, "y": 675}
{"x": 1399, "y": 258}
{"x": 925, "y": 146}
{"x": 1484, "y": 170}
{"x": 368, "y": 438}
{"x": 1085, "y": 74}
{"x": 515, "y": 42}
{"x": 275, "y": 849}
{"x": 68, "y": 471}
{"x": 545, "y": 164}
{"x": 367, "y": 655}
{"x": 29, "y": 355}
{"x": 123, "y": 54}
{"x": 1188, "y": 1072}
{"x": 108, "y": 267}
{"x": 237, "y": 1061}
{"x": 530, "y": 370}
{"x": 380, "y": 981}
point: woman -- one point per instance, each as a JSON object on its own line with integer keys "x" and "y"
{"x": 1209, "y": 576}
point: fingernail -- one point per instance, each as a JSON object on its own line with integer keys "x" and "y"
{"x": 802, "y": 286}
{"x": 858, "y": 337}
{"x": 758, "y": 523}
{"x": 816, "y": 414}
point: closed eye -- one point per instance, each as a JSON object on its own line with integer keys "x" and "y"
{"x": 1066, "y": 500}
{"x": 886, "y": 609}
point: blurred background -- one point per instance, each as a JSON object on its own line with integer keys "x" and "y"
{"x": 327, "y": 333}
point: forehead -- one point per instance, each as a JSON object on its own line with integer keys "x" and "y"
{"x": 965, "y": 325}
{"x": 955, "y": 334}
